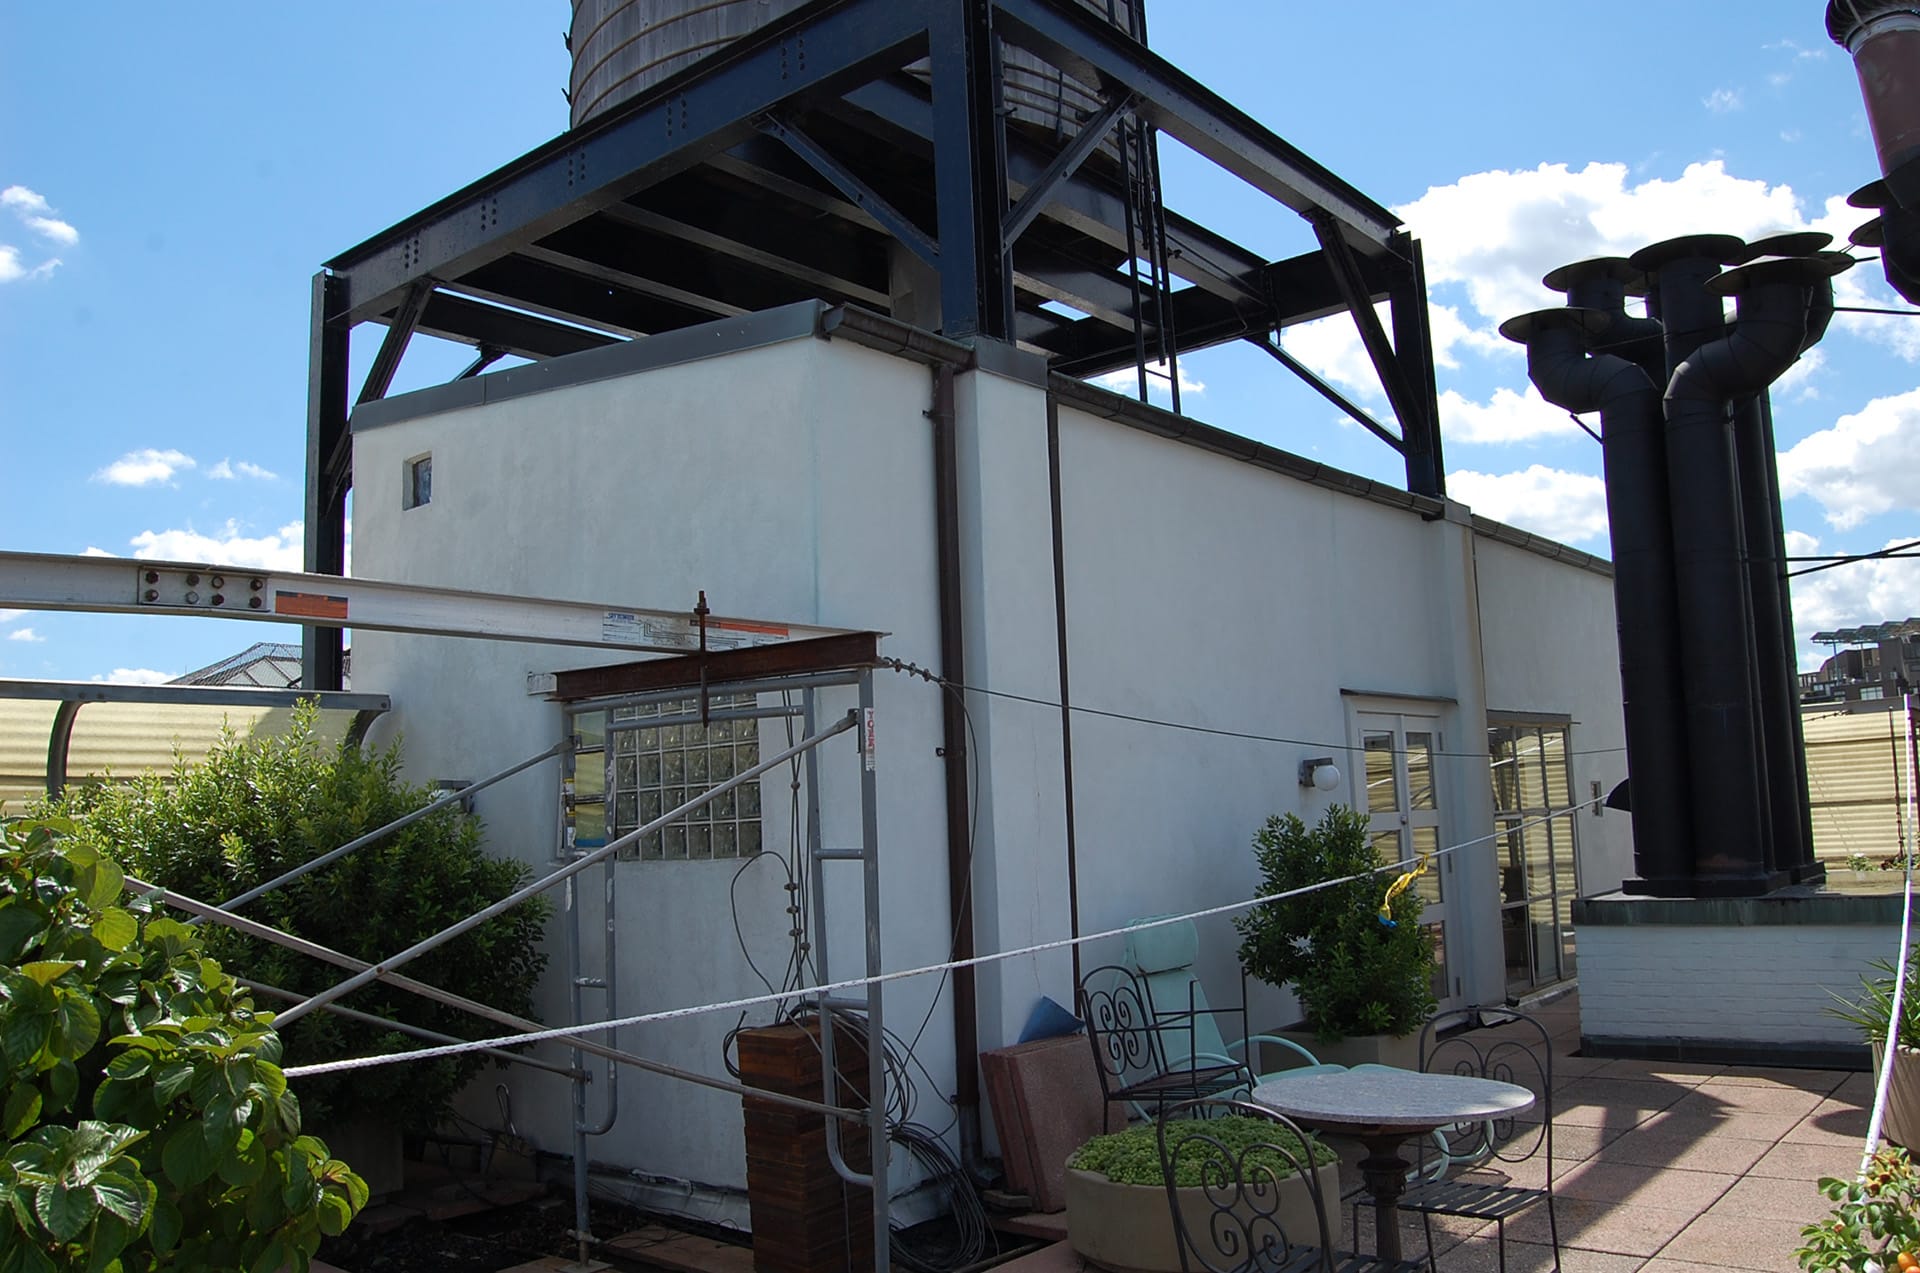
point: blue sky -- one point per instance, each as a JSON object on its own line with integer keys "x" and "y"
{"x": 173, "y": 175}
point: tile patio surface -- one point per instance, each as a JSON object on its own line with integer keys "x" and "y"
{"x": 1661, "y": 1167}
{"x": 1669, "y": 1167}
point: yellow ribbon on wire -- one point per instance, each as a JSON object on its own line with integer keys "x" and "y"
{"x": 1399, "y": 886}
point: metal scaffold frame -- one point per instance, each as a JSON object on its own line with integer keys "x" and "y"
{"x": 764, "y": 659}
{"x": 838, "y": 152}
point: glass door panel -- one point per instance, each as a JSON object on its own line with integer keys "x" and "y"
{"x": 1402, "y": 799}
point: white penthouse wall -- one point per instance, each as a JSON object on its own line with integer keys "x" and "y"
{"x": 791, "y": 481}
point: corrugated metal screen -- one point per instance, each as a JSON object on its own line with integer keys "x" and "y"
{"x": 1856, "y": 775}
{"x": 127, "y": 738}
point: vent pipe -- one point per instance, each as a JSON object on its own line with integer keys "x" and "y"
{"x": 1645, "y": 603}
{"x": 1784, "y": 772}
{"x": 1884, "y": 38}
{"x": 1775, "y": 299}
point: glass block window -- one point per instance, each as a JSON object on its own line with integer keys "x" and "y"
{"x": 654, "y": 767}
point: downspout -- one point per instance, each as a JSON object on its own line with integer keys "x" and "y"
{"x": 1775, "y": 300}
{"x": 1645, "y": 601}
{"x": 946, "y": 495}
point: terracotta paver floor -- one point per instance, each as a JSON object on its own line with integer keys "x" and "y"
{"x": 1671, "y": 1167}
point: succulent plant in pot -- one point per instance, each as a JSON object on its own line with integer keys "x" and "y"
{"x": 1870, "y": 1010}
{"x": 1118, "y": 1217}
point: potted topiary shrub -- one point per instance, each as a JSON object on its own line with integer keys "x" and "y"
{"x": 1870, "y": 1010}
{"x": 1117, "y": 1213}
{"x": 1364, "y": 986}
{"x": 260, "y": 806}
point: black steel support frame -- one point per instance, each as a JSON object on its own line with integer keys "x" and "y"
{"x": 504, "y": 238}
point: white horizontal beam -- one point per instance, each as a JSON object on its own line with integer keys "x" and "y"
{"x": 117, "y": 585}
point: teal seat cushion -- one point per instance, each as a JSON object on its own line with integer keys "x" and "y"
{"x": 1160, "y": 949}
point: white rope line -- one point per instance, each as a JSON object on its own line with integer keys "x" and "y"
{"x": 755, "y": 1001}
{"x": 1892, "y": 1046}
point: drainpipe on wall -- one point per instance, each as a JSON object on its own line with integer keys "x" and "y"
{"x": 946, "y": 494}
{"x": 1645, "y": 600}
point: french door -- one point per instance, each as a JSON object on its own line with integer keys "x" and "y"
{"x": 1400, "y": 793}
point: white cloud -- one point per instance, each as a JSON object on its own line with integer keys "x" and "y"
{"x": 1722, "y": 100}
{"x": 11, "y": 268}
{"x": 32, "y": 211}
{"x": 1506, "y": 417}
{"x": 1496, "y": 233}
{"x": 91, "y": 551}
{"x": 1867, "y": 463}
{"x": 1569, "y": 507}
{"x": 1126, "y": 380}
{"x": 227, "y": 470}
{"x": 1332, "y": 346}
{"x": 35, "y": 213}
{"x": 144, "y": 467}
{"x": 8, "y": 616}
{"x": 133, "y": 676}
{"x": 26, "y": 634}
{"x": 281, "y": 550}
{"x": 1849, "y": 595}
{"x": 1797, "y": 380}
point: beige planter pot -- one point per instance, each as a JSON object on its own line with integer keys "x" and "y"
{"x": 1129, "y": 1228}
{"x": 1902, "y": 1125}
{"x": 1399, "y": 1050}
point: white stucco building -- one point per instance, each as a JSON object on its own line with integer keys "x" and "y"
{"x": 1221, "y": 612}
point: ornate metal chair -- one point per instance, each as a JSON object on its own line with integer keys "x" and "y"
{"x": 1144, "y": 1057}
{"x": 1163, "y": 957}
{"x": 1466, "y": 1168}
{"x": 1249, "y": 1206}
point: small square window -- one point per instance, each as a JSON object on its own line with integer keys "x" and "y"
{"x": 417, "y": 485}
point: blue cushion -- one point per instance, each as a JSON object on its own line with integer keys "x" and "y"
{"x": 1159, "y": 949}
{"x": 1049, "y": 1020}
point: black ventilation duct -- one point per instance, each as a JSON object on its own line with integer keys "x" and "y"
{"x": 1706, "y": 656}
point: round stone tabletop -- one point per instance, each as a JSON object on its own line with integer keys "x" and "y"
{"x": 1387, "y": 1098}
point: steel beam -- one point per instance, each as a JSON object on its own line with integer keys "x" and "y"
{"x": 187, "y": 695}
{"x": 506, "y": 331}
{"x": 1095, "y": 52}
{"x": 826, "y": 263}
{"x": 329, "y": 470}
{"x": 1354, "y": 410}
{"x": 681, "y": 122}
{"x": 1081, "y": 202}
{"x": 1407, "y": 408}
{"x": 400, "y": 329}
{"x": 1064, "y": 165}
{"x": 640, "y": 285}
{"x": 852, "y": 185}
{"x": 113, "y": 585}
{"x": 856, "y": 649}
{"x": 1413, "y": 348}
{"x": 970, "y": 172}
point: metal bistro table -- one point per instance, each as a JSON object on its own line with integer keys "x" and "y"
{"x": 1382, "y": 1108}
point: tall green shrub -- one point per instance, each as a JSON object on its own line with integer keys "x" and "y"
{"x": 148, "y": 1126}
{"x": 260, "y": 806}
{"x": 1352, "y": 974}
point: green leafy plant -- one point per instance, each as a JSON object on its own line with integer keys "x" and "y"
{"x": 1132, "y": 1157}
{"x": 260, "y": 806}
{"x": 1874, "y": 1224}
{"x": 148, "y": 1125}
{"x": 1352, "y": 974}
{"x": 1871, "y": 1008}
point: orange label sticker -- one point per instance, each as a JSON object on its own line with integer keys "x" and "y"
{"x": 310, "y": 605}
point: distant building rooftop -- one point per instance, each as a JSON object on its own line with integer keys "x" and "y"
{"x": 270, "y": 665}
